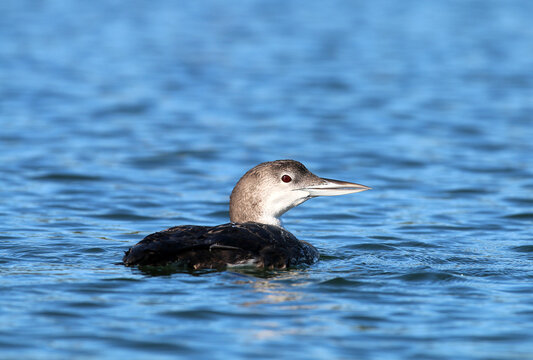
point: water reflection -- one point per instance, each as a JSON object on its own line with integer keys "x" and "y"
{"x": 273, "y": 287}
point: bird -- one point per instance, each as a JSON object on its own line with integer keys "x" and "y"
{"x": 254, "y": 236}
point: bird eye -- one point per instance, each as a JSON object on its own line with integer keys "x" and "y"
{"x": 286, "y": 178}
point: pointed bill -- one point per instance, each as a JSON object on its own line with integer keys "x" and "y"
{"x": 331, "y": 187}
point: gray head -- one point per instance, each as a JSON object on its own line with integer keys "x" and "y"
{"x": 272, "y": 188}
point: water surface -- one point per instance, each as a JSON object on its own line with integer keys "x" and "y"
{"x": 118, "y": 120}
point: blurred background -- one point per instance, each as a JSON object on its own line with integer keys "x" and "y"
{"x": 118, "y": 119}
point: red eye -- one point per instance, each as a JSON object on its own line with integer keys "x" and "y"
{"x": 286, "y": 178}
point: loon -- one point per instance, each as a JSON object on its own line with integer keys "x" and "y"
{"x": 255, "y": 235}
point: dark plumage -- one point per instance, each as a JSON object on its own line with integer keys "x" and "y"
{"x": 215, "y": 247}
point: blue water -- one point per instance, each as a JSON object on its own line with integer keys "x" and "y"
{"x": 118, "y": 119}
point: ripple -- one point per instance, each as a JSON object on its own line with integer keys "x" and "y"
{"x": 333, "y": 216}
{"x": 520, "y": 216}
{"x": 206, "y": 314}
{"x": 469, "y": 260}
{"x": 219, "y": 214}
{"x": 67, "y": 177}
{"x": 523, "y": 248}
{"x": 430, "y": 276}
{"x": 123, "y": 279}
{"x": 468, "y": 191}
{"x": 177, "y": 157}
{"x": 133, "y": 108}
{"x": 93, "y": 250}
{"x": 122, "y": 216}
{"x": 366, "y": 318}
{"x": 490, "y": 170}
{"x": 58, "y": 314}
{"x": 416, "y": 244}
{"x": 341, "y": 282}
{"x": 99, "y": 288}
{"x": 192, "y": 314}
{"x": 432, "y": 228}
{"x": 371, "y": 247}
{"x": 520, "y": 201}
{"x": 166, "y": 346}
{"x": 381, "y": 237}
{"x": 11, "y": 345}
{"x": 88, "y": 305}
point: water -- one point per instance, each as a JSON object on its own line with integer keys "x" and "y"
{"x": 121, "y": 119}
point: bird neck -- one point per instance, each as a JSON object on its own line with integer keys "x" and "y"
{"x": 246, "y": 206}
{"x": 250, "y": 212}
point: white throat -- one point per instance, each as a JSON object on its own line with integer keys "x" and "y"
{"x": 278, "y": 204}
{"x": 270, "y": 220}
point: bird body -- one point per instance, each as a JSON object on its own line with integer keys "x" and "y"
{"x": 260, "y": 245}
{"x": 255, "y": 235}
